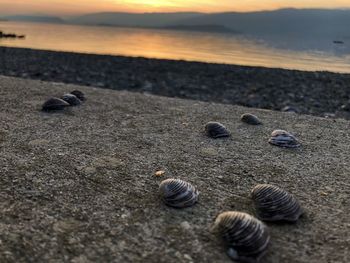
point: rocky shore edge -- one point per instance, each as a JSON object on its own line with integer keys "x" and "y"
{"x": 322, "y": 94}
{"x": 10, "y": 35}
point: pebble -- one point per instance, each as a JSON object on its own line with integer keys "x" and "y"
{"x": 185, "y": 225}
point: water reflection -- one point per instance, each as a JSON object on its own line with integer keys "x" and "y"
{"x": 194, "y": 46}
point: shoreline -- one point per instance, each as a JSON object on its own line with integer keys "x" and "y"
{"x": 319, "y": 93}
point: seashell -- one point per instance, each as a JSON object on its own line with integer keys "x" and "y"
{"x": 71, "y": 99}
{"x": 275, "y": 204}
{"x": 53, "y": 104}
{"x": 159, "y": 173}
{"x": 290, "y": 109}
{"x": 247, "y": 237}
{"x": 178, "y": 193}
{"x": 283, "y": 139}
{"x": 216, "y": 130}
{"x": 79, "y": 95}
{"x": 250, "y": 119}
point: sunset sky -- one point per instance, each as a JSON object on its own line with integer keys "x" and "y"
{"x": 71, "y": 7}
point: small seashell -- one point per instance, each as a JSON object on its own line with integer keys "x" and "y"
{"x": 159, "y": 173}
{"x": 250, "y": 119}
{"x": 290, "y": 109}
{"x": 283, "y": 139}
{"x": 216, "y": 130}
{"x": 79, "y": 95}
{"x": 71, "y": 99}
{"x": 178, "y": 193}
{"x": 53, "y": 104}
{"x": 275, "y": 204}
{"x": 247, "y": 237}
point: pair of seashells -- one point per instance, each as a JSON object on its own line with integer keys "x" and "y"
{"x": 271, "y": 202}
{"x": 279, "y": 138}
{"x": 69, "y": 99}
{"x": 218, "y": 130}
{"x": 246, "y": 236}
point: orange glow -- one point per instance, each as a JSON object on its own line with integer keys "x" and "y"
{"x": 67, "y": 7}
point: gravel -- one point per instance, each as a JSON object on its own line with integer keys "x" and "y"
{"x": 317, "y": 93}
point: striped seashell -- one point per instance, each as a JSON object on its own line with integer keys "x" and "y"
{"x": 275, "y": 204}
{"x": 283, "y": 139}
{"x": 54, "y": 104}
{"x": 71, "y": 99}
{"x": 250, "y": 119}
{"x": 216, "y": 130}
{"x": 178, "y": 193}
{"x": 247, "y": 238}
{"x": 79, "y": 95}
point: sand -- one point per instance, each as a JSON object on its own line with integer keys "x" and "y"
{"x": 79, "y": 186}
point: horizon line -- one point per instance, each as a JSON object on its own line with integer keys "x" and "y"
{"x": 178, "y": 12}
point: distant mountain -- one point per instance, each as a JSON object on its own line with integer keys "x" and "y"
{"x": 133, "y": 20}
{"x": 203, "y": 28}
{"x": 292, "y": 22}
{"x": 41, "y": 19}
{"x": 315, "y": 22}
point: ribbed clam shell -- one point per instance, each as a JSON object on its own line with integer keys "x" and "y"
{"x": 71, "y": 99}
{"x": 275, "y": 204}
{"x": 250, "y": 119}
{"x": 53, "y": 104}
{"x": 80, "y": 95}
{"x": 216, "y": 130}
{"x": 247, "y": 237}
{"x": 178, "y": 193}
{"x": 283, "y": 139}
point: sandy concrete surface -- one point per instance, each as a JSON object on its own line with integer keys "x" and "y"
{"x": 79, "y": 186}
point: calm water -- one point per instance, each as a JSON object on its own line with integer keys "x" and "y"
{"x": 194, "y": 46}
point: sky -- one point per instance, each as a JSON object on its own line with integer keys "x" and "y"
{"x": 75, "y": 7}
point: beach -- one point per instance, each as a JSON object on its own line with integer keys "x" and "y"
{"x": 80, "y": 185}
{"x": 322, "y": 94}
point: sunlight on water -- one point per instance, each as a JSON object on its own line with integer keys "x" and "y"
{"x": 193, "y": 46}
